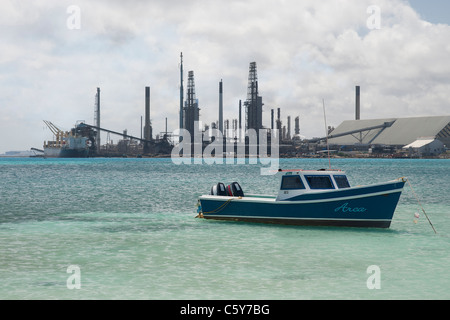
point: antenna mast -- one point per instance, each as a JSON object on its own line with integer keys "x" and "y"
{"x": 181, "y": 92}
{"x": 326, "y": 133}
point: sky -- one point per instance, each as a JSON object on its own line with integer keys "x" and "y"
{"x": 55, "y": 53}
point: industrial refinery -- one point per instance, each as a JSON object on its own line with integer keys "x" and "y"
{"x": 407, "y": 137}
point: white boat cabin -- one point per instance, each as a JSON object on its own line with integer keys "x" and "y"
{"x": 298, "y": 182}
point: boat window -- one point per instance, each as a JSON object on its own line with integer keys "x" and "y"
{"x": 291, "y": 182}
{"x": 319, "y": 182}
{"x": 342, "y": 181}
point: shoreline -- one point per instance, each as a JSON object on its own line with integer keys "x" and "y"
{"x": 281, "y": 156}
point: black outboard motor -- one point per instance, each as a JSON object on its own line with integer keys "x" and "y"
{"x": 235, "y": 190}
{"x": 219, "y": 190}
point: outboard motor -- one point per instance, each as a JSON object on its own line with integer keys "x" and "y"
{"x": 219, "y": 190}
{"x": 235, "y": 190}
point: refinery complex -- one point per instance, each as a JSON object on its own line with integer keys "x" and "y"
{"x": 401, "y": 137}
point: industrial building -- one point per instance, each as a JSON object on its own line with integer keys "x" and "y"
{"x": 390, "y": 135}
{"x": 127, "y": 145}
{"x": 425, "y": 147}
{"x": 391, "y": 131}
{"x": 422, "y": 136}
{"x": 417, "y": 136}
{"x": 233, "y": 130}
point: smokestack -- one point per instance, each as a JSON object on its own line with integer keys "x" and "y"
{"x": 297, "y": 125}
{"x": 279, "y": 121}
{"x": 288, "y": 134}
{"x": 165, "y": 133}
{"x": 358, "y": 106}
{"x": 220, "y": 107}
{"x": 147, "y": 126}
{"x": 147, "y": 131}
{"x": 271, "y": 127}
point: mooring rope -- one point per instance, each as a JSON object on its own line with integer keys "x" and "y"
{"x": 418, "y": 201}
{"x": 220, "y": 208}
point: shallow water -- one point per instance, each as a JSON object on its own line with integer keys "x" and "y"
{"x": 130, "y": 227}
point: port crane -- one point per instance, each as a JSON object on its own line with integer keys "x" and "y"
{"x": 54, "y": 129}
{"x": 58, "y": 133}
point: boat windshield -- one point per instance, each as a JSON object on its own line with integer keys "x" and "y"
{"x": 291, "y": 182}
{"x": 319, "y": 182}
{"x": 341, "y": 181}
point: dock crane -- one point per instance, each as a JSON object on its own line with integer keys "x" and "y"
{"x": 58, "y": 133}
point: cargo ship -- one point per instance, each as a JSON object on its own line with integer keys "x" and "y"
{"x": 79, "y": 142}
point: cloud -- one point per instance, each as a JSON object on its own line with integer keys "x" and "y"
{"x": 305, "y": 52}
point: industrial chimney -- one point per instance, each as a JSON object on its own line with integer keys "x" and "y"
{"x": 358, "y": 106}
{"x": 147, "y": 126}
{"x": 279, "y": 120}
{"x": 297, "y": 125}
{"x": 288, "y": 133}
{"x": 271, "y": 119}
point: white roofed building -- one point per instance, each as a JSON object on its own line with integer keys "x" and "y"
{"x": 427, "y": 146}
{"x": 397, "y": 132}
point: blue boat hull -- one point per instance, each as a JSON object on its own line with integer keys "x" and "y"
{"x": 371, "y": 206}
{"x": 66, "y": 153}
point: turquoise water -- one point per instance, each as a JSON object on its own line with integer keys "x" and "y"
{"x": 129, "y": 226}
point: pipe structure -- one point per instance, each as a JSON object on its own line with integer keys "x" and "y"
{"x": 124, "y": 134}
{"x": 331, "y": 136}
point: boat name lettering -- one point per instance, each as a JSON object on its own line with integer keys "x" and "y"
{"x": 345, "y": 208}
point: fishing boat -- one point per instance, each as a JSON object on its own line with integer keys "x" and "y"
{"x": 307, "y": 197}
